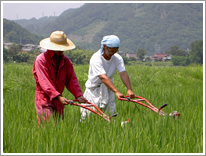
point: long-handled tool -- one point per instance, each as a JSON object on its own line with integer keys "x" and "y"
{"x": 87, "y": 106}
{"x": 140, "y": 100}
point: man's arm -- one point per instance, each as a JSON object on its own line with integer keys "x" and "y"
{"x": 110, "y": 85}
{"x": 63, "y": 100}
{"x": 125, "y": 79}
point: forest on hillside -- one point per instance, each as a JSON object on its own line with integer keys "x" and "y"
{"x": 151, "y": 26}
{"x": 12, "y": 32}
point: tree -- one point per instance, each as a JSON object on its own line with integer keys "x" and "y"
{"x": 175, "y": 51}
{"x": 197, "y": 51}
{"x": 132, "y": 59}
{"x": 141, "y": 53}
{"x": 13, "y": 50}
{"x": 79, "y": 56}
{"x": 147, "y": 59}
{"x": 32, "y": 55}
{"x": 5, "y": 54}
{"x": 21, "y": 57}
{"x": 180, "y": 60}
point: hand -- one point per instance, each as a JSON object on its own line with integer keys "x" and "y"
{"x": 130, "y": 93}
{"x": 62, "y": 100}
{"x": 119, "y": 95}
{"x": 81, "y": 99}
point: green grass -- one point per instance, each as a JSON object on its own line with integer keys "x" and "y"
{"x": 180, "y": 87}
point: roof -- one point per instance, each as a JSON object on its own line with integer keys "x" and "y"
{"x": 159, "y": 56}
{"x": 131, "y": 55}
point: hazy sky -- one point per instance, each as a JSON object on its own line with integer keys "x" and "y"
{"x": 28, "y": 10}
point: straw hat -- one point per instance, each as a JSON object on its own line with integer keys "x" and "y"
{"x": 57, "y": 42}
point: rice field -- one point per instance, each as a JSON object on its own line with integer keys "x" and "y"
{"x": 146, "y": 132}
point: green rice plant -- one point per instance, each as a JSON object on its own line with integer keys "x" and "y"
{"x": 146, "y": 131}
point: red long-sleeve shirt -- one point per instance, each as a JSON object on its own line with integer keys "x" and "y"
{"x": 50, "y": 84}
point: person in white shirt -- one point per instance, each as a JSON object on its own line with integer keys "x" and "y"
{"x": 100, "y": 89}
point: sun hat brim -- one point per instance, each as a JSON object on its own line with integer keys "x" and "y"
{"x": 47, "y": 44}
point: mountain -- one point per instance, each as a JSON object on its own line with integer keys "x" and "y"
{"x": 152, "y": 26}
{"x": 13, "y": 32}
{"x": 33, "y": 25}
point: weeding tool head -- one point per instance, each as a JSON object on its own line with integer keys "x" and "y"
{"x": 174, "y": 114}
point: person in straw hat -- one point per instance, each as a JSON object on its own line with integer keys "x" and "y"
{"x": 99, "y": 86}
{"x": 53, "y": 71}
